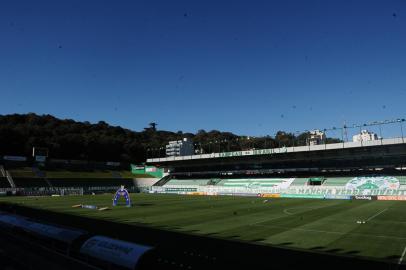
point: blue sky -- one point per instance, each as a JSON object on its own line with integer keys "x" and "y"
{"x": 249, "y": 67}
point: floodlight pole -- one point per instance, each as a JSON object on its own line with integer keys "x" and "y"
{"x": 360, "y": 134}
{"x": 342, "y": 136}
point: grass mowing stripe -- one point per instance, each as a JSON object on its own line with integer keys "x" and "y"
{"x": 286, "y": 211}
{"x": 285, "y": 221}
{"x": 334, "y": 232}
{"x": 330, "y": 224}
{"x": 290, "y": 214}
{"x": 219, "y": 213}
{"x": 258, "y": 211}
{"x": 182, "y": 210}
{"x": 271, "y": 213}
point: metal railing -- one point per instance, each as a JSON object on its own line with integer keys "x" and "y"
{"x": 2, "y": 171}
{"x": 10, "y": 179}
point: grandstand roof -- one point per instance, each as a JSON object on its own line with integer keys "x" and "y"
{"x": 385, "y": 153}
{"x": 284, "y": 150}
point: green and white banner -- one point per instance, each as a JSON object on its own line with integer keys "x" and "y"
{"x": 148, "y": 170}
{"x": 373, "y": 182}
{"x": 306, "y": 196}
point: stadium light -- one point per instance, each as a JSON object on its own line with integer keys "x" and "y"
{"x": 250, "y": 140}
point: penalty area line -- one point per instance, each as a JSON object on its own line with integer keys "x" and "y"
{"x": 377, "y": 214}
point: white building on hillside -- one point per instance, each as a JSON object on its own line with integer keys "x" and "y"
{"x": 316, "y": 137}
{"x": 180, "y": 148}
{"x": 365, "y": 135}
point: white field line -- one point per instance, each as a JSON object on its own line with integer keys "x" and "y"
{"x": 377, "y": 214}
{"x": 286, "y": 211}
{"x": 403, "y": 255}
{"x": 332, "y": 232}
{"x": 262, "y": 221}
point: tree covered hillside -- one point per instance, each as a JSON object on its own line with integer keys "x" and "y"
{"x": 69, "y": 139}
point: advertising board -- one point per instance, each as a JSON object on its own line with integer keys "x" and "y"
{"x": 271, "y": 195}
{"x": 338, "y": 197}
{"x": 304, "y": 196}
{"x": 364, "y": 197}
{"x": 15, "y": 158}
{"x": 391, "y": 198}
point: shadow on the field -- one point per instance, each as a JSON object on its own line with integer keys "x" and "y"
{"x": 220, "y": 253}
{"x": 191, "y": 231}
{"x": 351, "y": 252}
{"x": 286, "y": 243}
{"x": 333, "y": 250}
{"x": 143, "y": 204}
{"x": 317, "y": 248}
{"x": 258, "y": 240}
{"x": 209, "y": 234}
{"x": 393, "y": 257}
{"x": 167, "y": 227}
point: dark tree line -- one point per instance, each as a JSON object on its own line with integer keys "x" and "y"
{"x": 68, "y": 139}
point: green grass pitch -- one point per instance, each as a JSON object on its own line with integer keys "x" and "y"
{"x": 362, "y": 228}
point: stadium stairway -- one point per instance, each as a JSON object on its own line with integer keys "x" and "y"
{"x": 2, "y": 171}
{"x": 10, "y": 179}
{"x": 3, "y": 178}
{"x": 163, "y": 181}
{"x": 336, "y": 181}
{"x": 300, "y": 182}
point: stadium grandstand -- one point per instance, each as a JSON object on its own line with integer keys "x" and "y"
{"x": 343, "y": 171}
{"x": 340, "y": 170}
{"x": 25, "y": 177}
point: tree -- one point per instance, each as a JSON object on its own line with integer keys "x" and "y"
{"x": 69, "y": 139}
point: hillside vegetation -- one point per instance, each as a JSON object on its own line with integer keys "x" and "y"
{"x": 69, "y": 139}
